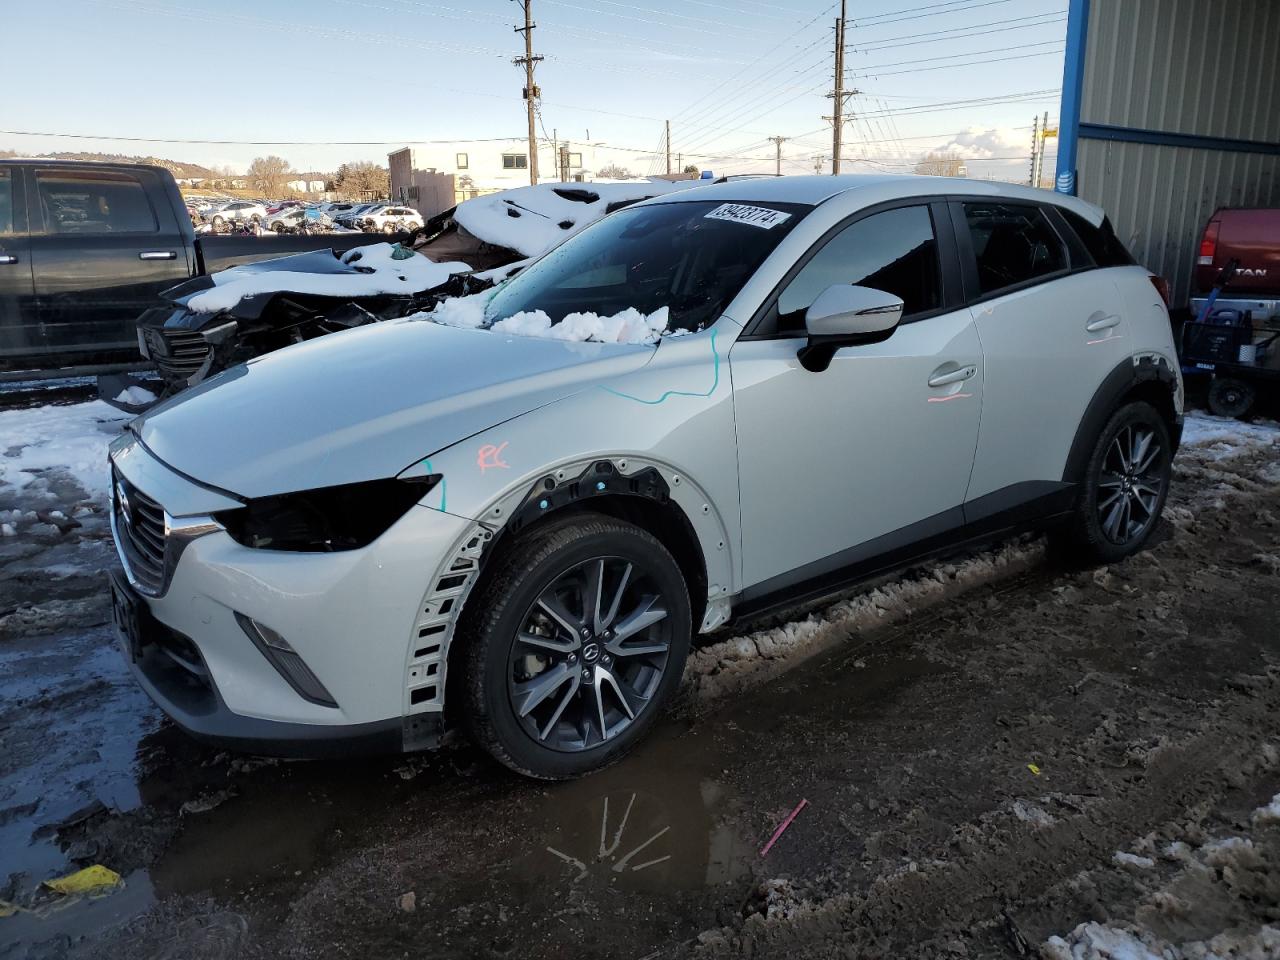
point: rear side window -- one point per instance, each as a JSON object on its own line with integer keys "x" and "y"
{"x": 895, "y": 251}
{"x": 7, "y": 219}
{"x": 94, "y": 202}
{"x": 1103, "y": 245}
{"x": 1012, "y": 244}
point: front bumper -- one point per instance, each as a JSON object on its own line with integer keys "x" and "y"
{"x": 350, "y": 616}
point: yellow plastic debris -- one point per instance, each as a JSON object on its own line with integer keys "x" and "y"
{"x": 1034, "y": 769}
{"x": 90, "y": 880}
{"x": 7, "y": 909}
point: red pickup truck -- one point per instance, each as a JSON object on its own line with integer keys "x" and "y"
{"x": 1253, "y": 238}
{"x": 1234, "y": 335}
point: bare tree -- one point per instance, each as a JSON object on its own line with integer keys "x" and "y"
{"x": 267, "y": 175}
{"x": 612, "y": 171}
{"x": 940, "y": 165}
{"x": 362, "y": 177}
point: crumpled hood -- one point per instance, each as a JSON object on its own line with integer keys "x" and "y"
{"x": 365, "y": 403}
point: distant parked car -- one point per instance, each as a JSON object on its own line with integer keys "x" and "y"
{"x": 389, "y": 219}
{"x": 237, "y": 211}
{"x": 284, "y": 221}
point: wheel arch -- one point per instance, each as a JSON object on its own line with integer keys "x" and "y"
{"x": 1146, "y": 377}
{"x": 652, "y": 496}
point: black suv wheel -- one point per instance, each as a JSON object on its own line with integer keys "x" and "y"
{"x": 1125, "y": 486}
{"x": 574, "y": 646}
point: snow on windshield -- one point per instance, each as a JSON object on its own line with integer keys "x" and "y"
{"x": 626, "y": 326}
{"x": 411, "y": 274}
{"x": 531, "y": 220}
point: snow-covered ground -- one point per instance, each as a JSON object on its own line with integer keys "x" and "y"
{"x": 70, "y": 439}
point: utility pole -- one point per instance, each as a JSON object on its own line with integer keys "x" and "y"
{"x": 839, "y": 95}
{"x": 1035, "y": 150}
{"x": 668, "y": 148}
{"x": 531, "y": 92}
{"x": 817, "y": 163}
{"x": 777, "y": 161}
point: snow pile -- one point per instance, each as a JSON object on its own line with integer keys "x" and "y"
{"x": 1268, "y": 814}
{"x": 628, "y": 326}
{"x": 1221, "y": 437}
{"x": 730, "y": 665}
{"x": 531, "y": 220}
{"x": 73, "y": 439}
{"x": 135, "y": 395}
{"x": 412, "y": 274}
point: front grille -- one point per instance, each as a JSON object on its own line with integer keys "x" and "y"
{"x": 178, "y": 353}
{"x": 140, "y": 534}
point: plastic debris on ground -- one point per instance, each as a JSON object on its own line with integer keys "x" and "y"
{"x": 90, "y": 881}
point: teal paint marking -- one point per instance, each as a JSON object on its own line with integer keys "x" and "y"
{"x": 715, "y": 382}
{"x": 444, "y": 488}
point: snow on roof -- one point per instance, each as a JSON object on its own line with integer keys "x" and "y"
{"x": 390, "y": 274}
{"x": 531, "y": 220}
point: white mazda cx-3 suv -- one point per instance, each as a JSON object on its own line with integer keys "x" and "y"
{"x": 514, "y": 513}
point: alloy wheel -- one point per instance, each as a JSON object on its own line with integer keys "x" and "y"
{"x": 1131, "y": 483}
{"x": 590, "y": 655}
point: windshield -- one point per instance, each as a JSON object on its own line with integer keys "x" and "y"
{"x": 690, "y": 257}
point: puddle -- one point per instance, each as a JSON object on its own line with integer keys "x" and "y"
{"x": 667, "y": 839}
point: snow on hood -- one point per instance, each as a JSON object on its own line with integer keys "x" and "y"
{"x": 531, "y": 220}
{"x": 627, "y": 326}
{"x": 365, "y": 403}
{"x": 376, "y": 269}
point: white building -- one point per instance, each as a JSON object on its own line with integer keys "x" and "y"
{"x": 436, "y": 176}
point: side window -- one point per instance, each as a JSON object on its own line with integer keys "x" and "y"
{"x": 1012, "y": 244}
{"x": 7, "y": 225}
{"x": 1101, "y": 241}
{"x": 895, "y": 251}
{"x": 94, "y": 202}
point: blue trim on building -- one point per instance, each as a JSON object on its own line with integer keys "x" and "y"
{"x": 1102, "y": 131}
{"x": 1072, "y": 92}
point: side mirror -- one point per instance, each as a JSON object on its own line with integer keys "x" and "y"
{"x": 845, "y": 315}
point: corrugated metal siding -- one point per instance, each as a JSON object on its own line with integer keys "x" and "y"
{"x": 1204, "y": 67}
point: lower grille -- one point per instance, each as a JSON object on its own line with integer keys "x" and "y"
{"x": 178, "y": 353}
{"x": 140, "y": 534}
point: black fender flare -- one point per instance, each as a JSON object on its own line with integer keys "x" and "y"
{"x": 1128, "y": 376}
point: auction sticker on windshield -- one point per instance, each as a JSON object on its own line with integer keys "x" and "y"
{"x": 742, "y": 213}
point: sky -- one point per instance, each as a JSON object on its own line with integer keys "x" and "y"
{"x": 322, "y": 82}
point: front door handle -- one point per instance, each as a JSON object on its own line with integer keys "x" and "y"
{"x": 1106, "y": 322}
{"x": 952, "y": 376}
{"x": 8, "y": 258}
{"x": 157, "y": 255}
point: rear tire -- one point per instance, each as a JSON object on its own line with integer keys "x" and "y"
{"x": 1125, "y": 487}
{"x": 574, "y": 646}
{"x": 1229, "y": 397}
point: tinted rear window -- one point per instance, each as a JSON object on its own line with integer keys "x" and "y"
{"x": 1101, "y": 242}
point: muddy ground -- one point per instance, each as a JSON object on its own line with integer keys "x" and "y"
{"x": 972, "y": 761}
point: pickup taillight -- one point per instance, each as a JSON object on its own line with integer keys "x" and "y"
{"x": 1209, "y": 243}
{"x": 1162, "y": 288}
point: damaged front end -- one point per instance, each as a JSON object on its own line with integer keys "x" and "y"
{"x": 189, "y": 345}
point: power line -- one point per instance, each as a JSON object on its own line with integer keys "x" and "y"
{"x": 967, "y": 53}
{"x": 940, "y": 36}
{"x": 864, "y": 71}
{"x": 865, "y": 21}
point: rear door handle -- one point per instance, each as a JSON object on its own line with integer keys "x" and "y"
{"x": 1097, "y": 323}
{"x": 157, "y": 255}
{"x": 8, "y": 258}
{"x": 952, "y": 376}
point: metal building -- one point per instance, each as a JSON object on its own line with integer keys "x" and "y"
{"x": 1171, "y": 109}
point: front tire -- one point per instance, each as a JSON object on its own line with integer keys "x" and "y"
{"x": 1125, "y": 486}
{"x": 574, "y": 646}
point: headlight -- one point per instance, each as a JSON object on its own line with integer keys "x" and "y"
{"x": 344, "y": 517}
